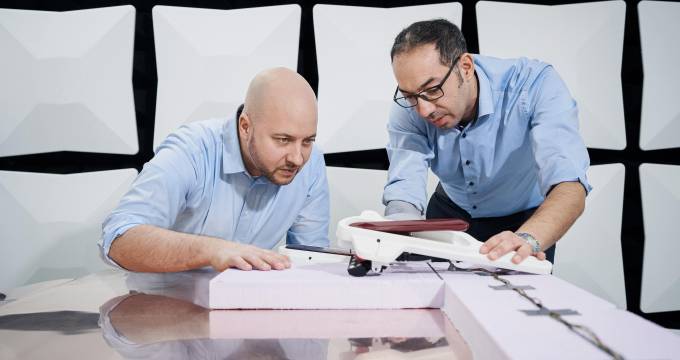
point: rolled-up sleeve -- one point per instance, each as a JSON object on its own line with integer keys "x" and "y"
{"x": 311, "y": 224}
{"x": 159, "y": 192}
{"x": 559, "y": 150}
{"x": 410, "y": 153}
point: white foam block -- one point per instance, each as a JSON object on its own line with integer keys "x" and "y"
{"x": 327, "y": 286}
{"x": 483, "y": 346}
{"x": 554, "y": 292}
{"x": 494, "y": 320}
{"x": 191, "y": 286}
{"x": 499, "y": 315}
{"x": 632, "y": 335}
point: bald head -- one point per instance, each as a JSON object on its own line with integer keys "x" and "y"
{"x": 280, "y": 91}
{"x": 277, "y": 127}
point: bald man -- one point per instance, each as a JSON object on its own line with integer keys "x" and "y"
{"x": 222, "y": 193}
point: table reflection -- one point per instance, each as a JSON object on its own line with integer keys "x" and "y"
{"x": 140, "y": 325}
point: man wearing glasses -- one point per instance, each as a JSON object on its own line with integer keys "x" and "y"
{"x": 501, "y": 136}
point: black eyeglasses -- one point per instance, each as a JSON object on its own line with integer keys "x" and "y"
{"x": 429, "y": 94}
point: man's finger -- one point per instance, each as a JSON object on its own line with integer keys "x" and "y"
{"x": 275, "y": 254}
{"x": 541, "y": 255}
{"x": 257, "y": 262}
{"x": 239, "y": 263}
{"x": 276, "y": 262}
{"x": 286, "y": 261}
{"x": 522, "y": 253}
{"x": 490, "y": 244}
{"x": 274, "y": 258}
{"x": 509, "y": 243}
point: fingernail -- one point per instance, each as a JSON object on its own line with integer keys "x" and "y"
{"x": 516, "y": 259}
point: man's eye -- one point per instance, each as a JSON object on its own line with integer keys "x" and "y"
{"x": 283, "y": 140}
{"x": 308, "y": 141}
{"x": 431, "y": 92}
{"x": 411, "y": 98}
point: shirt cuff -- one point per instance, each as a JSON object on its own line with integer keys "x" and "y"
{"x": 402, "y": 210}
{"x": 107, "y": 240}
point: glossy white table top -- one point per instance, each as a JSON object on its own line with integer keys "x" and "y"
{"x": 97, "y": 316}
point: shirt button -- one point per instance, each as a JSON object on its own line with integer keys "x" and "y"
{"x": 467, "y": 162}
{"x": 464, "y": 135}
{"x": 471, "y": 183}
{"x": 474, "y": 207}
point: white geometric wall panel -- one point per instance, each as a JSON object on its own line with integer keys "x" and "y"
{"x": 584, "y": 42}
{"x": 66, "y": 81}
{"x": 660, "y": 186}
{"x": 660, "y": 43}
{"x": 206, "y": 58}
{"x": 589, "y": 254}
{"x": 50, "y": 223}
{"x": 355, "y": 190}
{"x": 356, "y": 82}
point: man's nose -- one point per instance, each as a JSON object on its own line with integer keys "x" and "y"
{"x": 295, "y": 155}
{"x": 425, "y": 108}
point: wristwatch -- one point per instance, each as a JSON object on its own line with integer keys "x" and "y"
{"x": 531, "y": 240}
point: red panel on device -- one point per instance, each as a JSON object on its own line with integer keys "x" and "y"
{"x": 409, "y": 226}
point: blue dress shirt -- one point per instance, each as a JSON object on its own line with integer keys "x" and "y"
{"x": 197, "y": 183}
{"x": 524, "y": 140}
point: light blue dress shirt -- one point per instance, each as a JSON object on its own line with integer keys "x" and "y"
{"x": 524, "y": 140}
{"x": 197, "y": 183}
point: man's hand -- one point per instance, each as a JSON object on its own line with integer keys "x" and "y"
{"x": 246, "y": 257}
{"x": 148, "y": 248}
{"x": 501, "y": 244}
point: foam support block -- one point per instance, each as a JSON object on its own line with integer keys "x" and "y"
{"x": 496, "y": 325}
{"x": 495, "y": 321}
{"x": 326, "y": 286}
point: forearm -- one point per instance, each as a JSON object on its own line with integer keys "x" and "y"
{"x": 147, "y": 248}
{"x": 409, "y": 153}
{"x": 563, "y": 205}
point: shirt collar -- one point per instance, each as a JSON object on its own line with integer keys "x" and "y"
{"x": 232, "y": 160}
{"x": 485, "y": 100}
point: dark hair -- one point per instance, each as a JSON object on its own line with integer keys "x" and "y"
{"x": 446, "y": 37}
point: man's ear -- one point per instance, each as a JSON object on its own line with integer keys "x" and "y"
{"x": 467, "y": 65}
{"x": 244, "y": 125}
